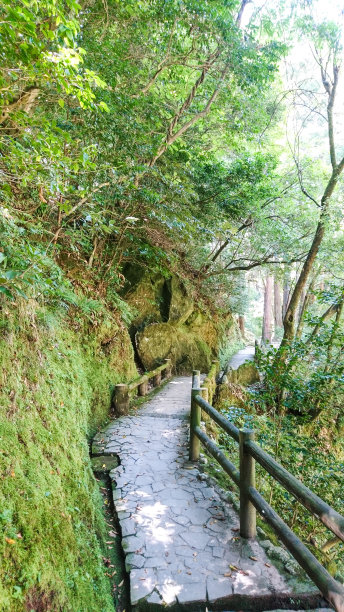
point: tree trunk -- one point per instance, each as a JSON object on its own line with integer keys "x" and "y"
{"x": 290, "y": 319}
{"x": 268, "y": 310}
{"x": 307, "y": 297}
{"x": 330, "y": 384}
{"x": 286, "y": 295}
{"x": 242, "y": 325}
{"x": 277, "y": 304}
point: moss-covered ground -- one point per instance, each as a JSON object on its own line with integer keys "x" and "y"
{"x": 55, "y": 390}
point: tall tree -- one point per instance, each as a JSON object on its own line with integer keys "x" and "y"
{"x": 277, "y": 304}
{"x": 268, "y": 324}
{"x": 329, "y": 67}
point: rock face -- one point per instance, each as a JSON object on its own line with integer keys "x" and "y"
{"x": 181, "y": 305}
{"x": 161, "y": 340}
{"x": 170, "y": 324}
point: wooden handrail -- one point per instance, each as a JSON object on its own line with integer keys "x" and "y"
{"x": 123, "y": 391}
{"x": 209, "y": 382}
{"x": 325, "y": 513}
{"x": 226, "y": 425}
{"x": 147, "y": 376}
{"x": 250, "y": 498}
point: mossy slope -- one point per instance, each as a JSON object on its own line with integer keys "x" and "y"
{"x": 55, "y": 389}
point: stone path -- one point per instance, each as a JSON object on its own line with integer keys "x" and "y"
{"x": 180, "y": 539}
{"x": 246, "y": 354}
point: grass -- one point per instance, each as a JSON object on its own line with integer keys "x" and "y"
{"x": 55, "y": 391}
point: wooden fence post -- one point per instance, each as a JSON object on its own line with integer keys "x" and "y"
{"x": 168, "y": 371}
{"x": 143, "y": 388}
{"x": 216, "y": 362}
{"x": 204, "y": 393}
{"x": 247, "y": 479}
{"x": 256, "y": 349}
{"x": 195, "y": 421}
{"x": 121, "y": 398}
{"x": 157, "y": 379}
{"x": 196, "y": 380}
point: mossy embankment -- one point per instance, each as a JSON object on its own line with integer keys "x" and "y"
{"x": 55, "y": 390}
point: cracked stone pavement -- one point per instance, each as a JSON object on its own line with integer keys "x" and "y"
{"x": 179, "y": 538}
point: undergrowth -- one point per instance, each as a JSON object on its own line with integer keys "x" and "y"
{"x": 308, "y": 452}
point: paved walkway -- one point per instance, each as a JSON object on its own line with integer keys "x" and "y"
{"x": 180, "y": 539}
{"x": 246, "y": 354}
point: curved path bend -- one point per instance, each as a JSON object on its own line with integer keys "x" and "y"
{"x": 180, "y": 539}
{"x": 245, "y": 354}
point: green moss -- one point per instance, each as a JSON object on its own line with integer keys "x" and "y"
{"x": 55, "y": 390}
{"x": 164, "y": 340}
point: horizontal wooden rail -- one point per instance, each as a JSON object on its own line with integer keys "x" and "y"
{"x": 327, "y": 515}
{"x": 332, "y": 590}
{"x": 220, "y": 457}
{"x": 251, "y": 500}
{"x": 123, "y": 391}
{"x": 226, "y": 425}
{"x": 146, "y": 377}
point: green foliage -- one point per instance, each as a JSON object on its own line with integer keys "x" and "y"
{"x": 305, "y": 451}
{"x": 85, "y": 181}
{"x": 133, "y": 133}
{"x": 310, "y": 373}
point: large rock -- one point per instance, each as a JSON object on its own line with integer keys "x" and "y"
{"x": 159, "y": 341}
{"x": 155, "y": 298}
{"x": 168, "y": 322}
{"x": 148, "y": 297}
{"x": 246, "y": 374}
{"x": 231, "y": 394}
{"x": 181, "y": 305}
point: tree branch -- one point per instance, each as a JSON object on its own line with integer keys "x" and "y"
{"x": 170, "y": 136}
{"x": 261, "y": 262}
{"x": 331, "y": 88}
{"x": 24, "y": 100}
{"x": 330, "y": 312}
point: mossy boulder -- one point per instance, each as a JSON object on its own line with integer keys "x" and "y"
{"x": 168, "y": 322}
{"x": 231, "y": 394}
{"x": 246, "y": 374}
{"x": 165, "y": 340}
{"x": 148, "y": 299}
{"x": 207, "y": 327}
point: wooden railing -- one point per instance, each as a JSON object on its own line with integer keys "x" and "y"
{"x": 123, "y": 392}
{"x": 209, "y": 383}
{"x": 251, "y": 500}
